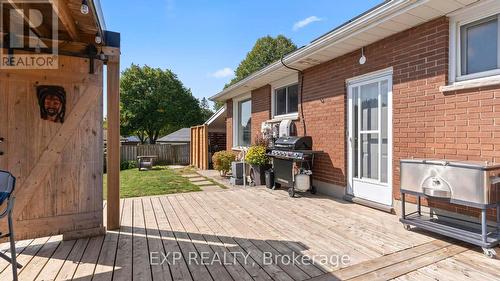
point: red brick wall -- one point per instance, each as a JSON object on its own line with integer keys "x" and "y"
{"x": 426, "y": 122}
{"x": 261, "y": 109}
{"x": 217, "y": 141}
{"x": 229, "y": 124}
{"x": 419, "y": 60}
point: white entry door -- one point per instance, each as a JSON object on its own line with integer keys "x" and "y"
{"x": 370, "y": 137}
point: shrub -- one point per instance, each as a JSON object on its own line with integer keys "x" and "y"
{"x": 260, "y": 140}
{"x": 125, "y": 165}
{"x": 256, "y": 156}
{"x": 222, "y": 161}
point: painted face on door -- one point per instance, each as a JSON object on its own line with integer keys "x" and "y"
{"x": 52, "y": 102}
{"x": 52, "y": 105}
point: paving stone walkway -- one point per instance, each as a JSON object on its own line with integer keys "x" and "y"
{"x": 202, "y": 182}
{"x": 210, "y": 187}
{"x": 199, "y": 183}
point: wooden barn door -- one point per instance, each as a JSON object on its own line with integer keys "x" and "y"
{"x": 58, "y": 166}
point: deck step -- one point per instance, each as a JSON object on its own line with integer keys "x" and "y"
{"x": 396, "y": 264}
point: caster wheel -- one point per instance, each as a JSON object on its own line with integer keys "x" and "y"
{"x": 291, "y": 192}
{"x": 490, "y": 253}
{"x": 407, "y": 227}
{"x": 313, "y": 190}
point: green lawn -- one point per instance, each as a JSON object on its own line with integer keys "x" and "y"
{"x": 160, "y": 180}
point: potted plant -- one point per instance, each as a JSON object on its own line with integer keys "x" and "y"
{"x": 259, "y": 162}
{"x": 222, "y": 161}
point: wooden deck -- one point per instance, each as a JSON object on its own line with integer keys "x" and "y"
{"x": 248, "y": 234}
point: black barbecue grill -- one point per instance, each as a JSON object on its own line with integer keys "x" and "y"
{"x": 290, "y": 154}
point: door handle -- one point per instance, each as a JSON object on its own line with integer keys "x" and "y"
{"x": 1, "y": 139}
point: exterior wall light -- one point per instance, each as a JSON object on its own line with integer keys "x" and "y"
{"x": 98, "y": 38}
{"x": 84, "y": 8}
{"x": 362, "y": 59}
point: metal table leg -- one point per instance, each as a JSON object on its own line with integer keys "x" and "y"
{"x": 419, "y": 206}
{"x": 484, "y": 225}
{"x": 403, "y": 211}
{"x": 498, "y": 220}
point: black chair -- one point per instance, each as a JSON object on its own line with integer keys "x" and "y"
{"x": 7, "y": 185}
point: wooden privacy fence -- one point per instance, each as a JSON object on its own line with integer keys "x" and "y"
{"x": 199, "y": 147}
{"x": 177, "y": 154}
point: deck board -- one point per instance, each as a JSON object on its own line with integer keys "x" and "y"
{"x": 52, "y": 267}
{"x": 70, "y": 265}
{"x": 160, "y": 271}
{"x": 123, "y": 263}
{"x": 251, "y": 266}
{"x": 178, "y": 267}
{"x": 141, "y": 269}
{"x": 243, "y": 236}
{"x": 273, "y": 239}
{"x": 265, "y": 243}
{"x": 246, "y": 226}
{"x": 107, "y": 256}
{"x": 26, "y": 256}
{"x": 235, "y": 269}
{"x": 20, "y": 246}
{"x": 33, "y": 268}
{"x": 186, "y": 245}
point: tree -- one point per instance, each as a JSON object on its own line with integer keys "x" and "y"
{"x": 265, "y": 51}
{"x": 205, "y": 109}
{"x": 218, "y": 104}
{"x": 154, "y": 102}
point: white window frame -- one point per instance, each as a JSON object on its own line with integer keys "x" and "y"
{"x": 285, "y": 82}
{"x": 457, "y": 20}
{"x": 236, "y": 101}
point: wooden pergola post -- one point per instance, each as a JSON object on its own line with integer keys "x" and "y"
{"x": 113, "y": 140}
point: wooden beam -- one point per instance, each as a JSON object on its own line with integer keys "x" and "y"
{"x": 112, "y": 53}
{"x": 113, "y": 144}
{"x": 84, "y": 233}
{"x": 64, "y": 14}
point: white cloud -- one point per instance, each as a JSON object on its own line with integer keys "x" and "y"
{"x": 223, "y": 73}
{"x": 305, "y": 22}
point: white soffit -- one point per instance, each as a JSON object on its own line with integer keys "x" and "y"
{"x": 388, "y": 19}
{"x": 218, "y": 114}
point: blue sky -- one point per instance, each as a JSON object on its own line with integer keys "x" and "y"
{"x": 203, "y": 41}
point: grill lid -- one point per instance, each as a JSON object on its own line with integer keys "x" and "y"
{"x": 481, "y": 165}
{"x": 294, "y": 143}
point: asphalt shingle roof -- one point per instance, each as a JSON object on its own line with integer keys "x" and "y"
{"x": 182, "y": 135}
